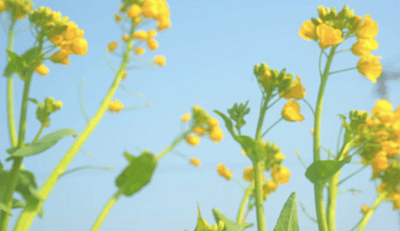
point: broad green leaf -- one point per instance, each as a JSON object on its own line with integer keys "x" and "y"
{"x": 202, "y": 224}
{"x": 35, "y": 101}
{"x": 228, "y": 123}
{"x": 288, "y": 220}
{"x": 228, "y": 224}
{"x": 43, "y": 144}
{"x": 137, "y": 174}
{"x": 14, "y": 65}
{"x": 31, "y": 55}
{"x": 253, "y": 148}
{"x": 4, "y": 208}
{"x": 321, "y": 171}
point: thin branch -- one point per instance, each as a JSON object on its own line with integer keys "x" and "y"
{"x": 300, "y": 159}
{"x": 306, "y": 213}
{"x": 82, "y": 106}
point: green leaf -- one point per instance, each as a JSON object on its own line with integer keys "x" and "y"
{"x": 1, "y": 167}
{"x": 229, "y": 225}
{"x": 31, "y": 55}
{"x": 43, "y": 144}
{"x": 228, "y": 123}
{"x": 253, "y": 148}
{"x": 288, "y": 220}
{"x": 27, "y": 187}
{"x": 137, "y": 174}
{"x": 4, "y": 208}
{"x": 202, "y": 224}
{"x": 17, "y": 204}
{"x": 237, "y": 112}
{"x": 321, "y": 171}
{"x": 129, "y": 157}
{"x": 14, "y": 64}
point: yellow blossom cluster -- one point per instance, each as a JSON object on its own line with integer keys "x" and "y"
{"x": 152, "y": 9}
{"x": 17, "y": 8}
{"x": 332, "y": 28}
{"x": 115, "y": 106}
{"x": 379, "y": 137}
{"x": 272, "y": 80}
{"x": 202, "y": 124}
{"x": 62, "y": 33}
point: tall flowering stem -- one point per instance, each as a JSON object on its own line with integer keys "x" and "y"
{"x": 13, "y": 177}
{"x": 319, "y": 187}
{"x": 30, "y": 211}
{"x": 371, "y": 210}
{"x": 10, "y": 88}
{"x": 257, "y": 167}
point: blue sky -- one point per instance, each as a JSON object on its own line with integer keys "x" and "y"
{"x": 211, "y": 50}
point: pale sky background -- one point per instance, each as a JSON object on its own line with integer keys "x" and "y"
{"x": 211, "y": 50}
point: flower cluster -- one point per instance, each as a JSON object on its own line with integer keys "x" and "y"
{"x": 332, "y": 28}
{"x": 379, "y": 138}
{"x": 45, "y": 109}
{"x": 152, "y": 9}
{"x": 61, "y": 33}
{"x": 272, "y": 81}
{"x": 17, "y": 8}
{"x": 135, "y": 10}
{"x": 202, "y": 124}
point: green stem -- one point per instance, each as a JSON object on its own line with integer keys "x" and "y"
{"x": 333, "y": 188}
{"x": 259, "y": 196}
{"x": 243, "y": 204}
{"x": 28, "y": 214}
{"x": 276, "y": 122}
{"x": 351, "y": 175}
{"x": 343, "y": 50}
{"x": 319, "y": 186}
{"x": 309, "y": 105}
{"x": 82, "y": 106}
{"x": 38, "y": 134}
{"x": 347, "y": 69}
{"x": 238, "y": 183}
{"x": 13, "y": 178}
{"x": 105, "y": 210}
{"x": 10, "y": 88}
{"x": 370, "y": 211}
{"x": 176, "y": 142}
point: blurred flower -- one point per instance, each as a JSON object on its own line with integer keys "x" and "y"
{"x": 224, "y": 172}
{"x": 195, "y": 162}
{"x": 370, "y": 67}
{"x": 291, "y": 111}
{"x": 115, "y": 106}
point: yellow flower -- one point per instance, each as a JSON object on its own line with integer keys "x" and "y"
{"x": 370, "y": 67}
{"x": 160, "y": 60}
{"x": 164, "y": 24}
{"x": 195, "y": 161}
{"x": 3, "y": 6}
{"x": 364, "y": 46}
{"x": 58, "y": 105}
{"x": 248, "y": 174}
{"x": 193, "y": 140}
{"x": 199, "y": 130}
{"x": 291, "y": 111}
{"x": 244, "y": 153}
{"x": 364, "y": 209}
{"x": 137, "y": 20}
{"x": 60, "y": 56}
{"x": 297, "y": 90}
{"x": 269, "y": 187}
{"x": 134, "y": 11}
{"x": 139, "y": 50}
{"x": 115, "y": 106}
{"x": 152, "y": 44}
{"x": 79, "y": 46}
{"x": 279, "y": 157}
{"x": 328, "y": 35}
{"x": 367, "y": 29}
{"x": 112, "y": 46}
{"x": 125, "y": 37}
{"x": 389, "y": 146}
{"x": 280, "y": 174}
{"x": 382, "y": 105}
{"x": 307, "y": 31}
{"x": 140, "y": 34}
{"x": 224, "y": 172}
{"x": 396, "y": 201}
{"x": 380, "y": 162}
{"x": 117, "y": 17}
{"x": 42, "y": 70}
{"x": 216, "y": 134}
{"x": 213, "y": 122}
{"x": 186, "y": 117}
{"x": 124, "y": 75}
{"x": 151, "y": 34}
